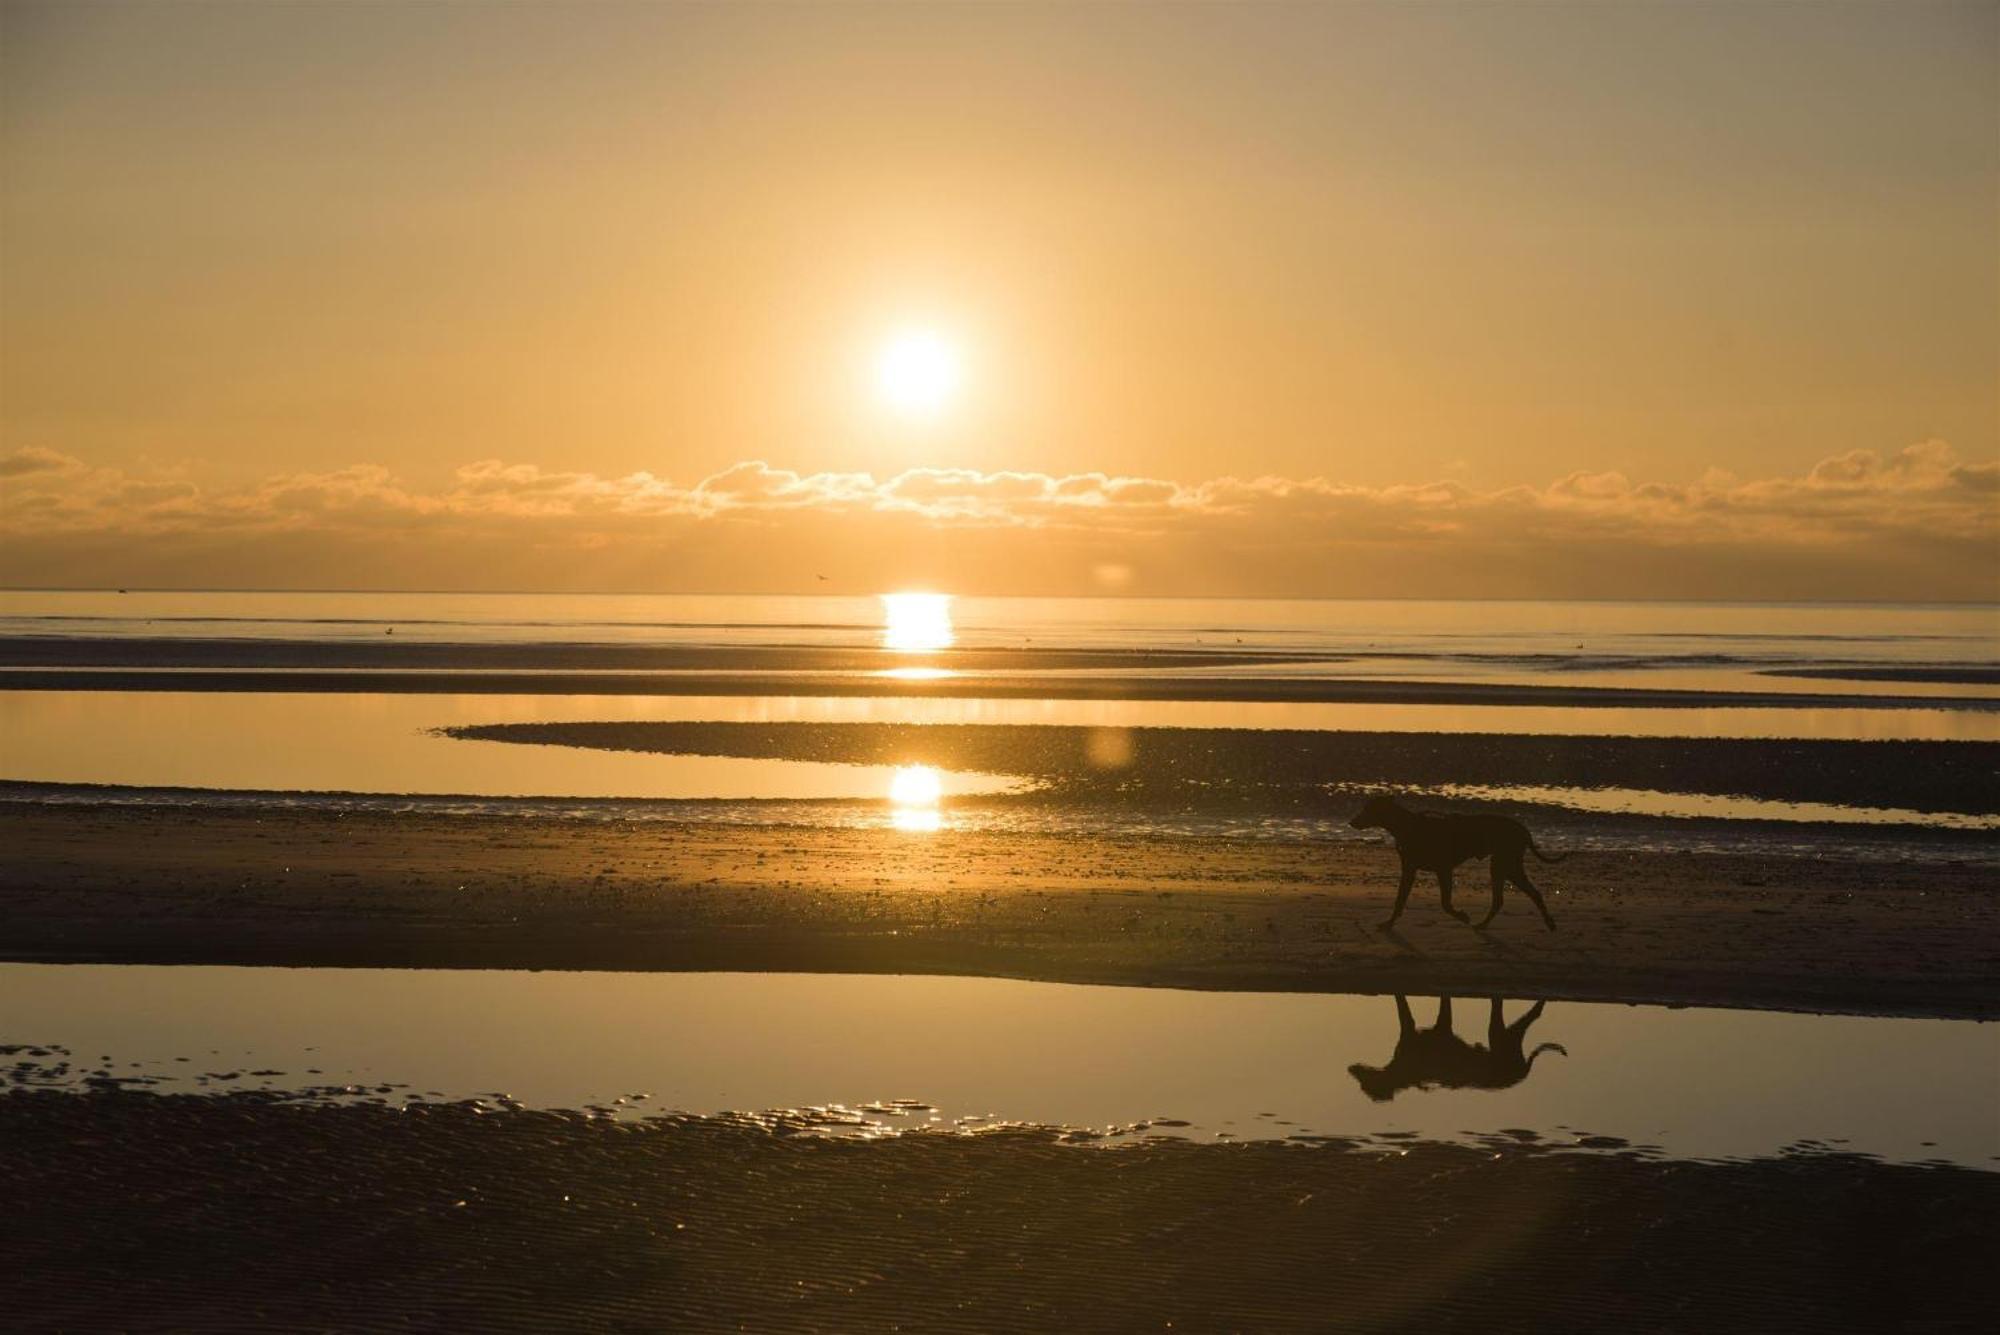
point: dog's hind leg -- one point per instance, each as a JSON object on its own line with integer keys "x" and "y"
{"x": 1499, "y": 893}
{"x": 1402, "y": 895}
{"x": 1444, "y": 894}
{"x": 1519, "y": 874}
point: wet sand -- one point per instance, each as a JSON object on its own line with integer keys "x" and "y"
{"x": 131, "y": 1211}
{"x": 1289, "y": 771}
{"x": 1951, "y": 676}
{"x": 208, "y": 885}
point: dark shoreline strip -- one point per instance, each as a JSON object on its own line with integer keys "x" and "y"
{"x": 1952, "y": 676}
{"x": 1233, "y": 690}
{"x": 385, "y": 653}
{"x": 1291, "y": 770}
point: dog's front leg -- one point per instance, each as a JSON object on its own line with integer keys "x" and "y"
{"x": 1444, "y": 894}
{"x": 1402, "y": 894}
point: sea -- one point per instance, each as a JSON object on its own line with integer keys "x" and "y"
{"x": 779, "y": 709}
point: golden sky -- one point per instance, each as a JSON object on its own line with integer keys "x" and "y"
{"x": 288, "y": 282}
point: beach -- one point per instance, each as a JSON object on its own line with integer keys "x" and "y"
{"x": 1032, "y": 667}
{"x": 295, "y": 887}
{"x": 1036, "y": 982}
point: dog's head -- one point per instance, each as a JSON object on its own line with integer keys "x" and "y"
{"x": 1375, "y": 1082}
{"x": 1375, "y": 813}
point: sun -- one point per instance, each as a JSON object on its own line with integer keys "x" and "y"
{"x": 918, "y": 373}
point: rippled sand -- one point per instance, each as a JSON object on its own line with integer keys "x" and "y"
{"x": 130, "y": 1211}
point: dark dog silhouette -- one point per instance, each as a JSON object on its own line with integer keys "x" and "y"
{"x": 1438, "y": 842}
{"x": 1438, "y": 1058}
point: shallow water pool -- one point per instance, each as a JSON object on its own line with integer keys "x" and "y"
{"x": 878, "y": 1053}
{"x": 385, "y": 744}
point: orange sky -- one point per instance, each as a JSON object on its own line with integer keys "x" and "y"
{"x": 298, "y": 289}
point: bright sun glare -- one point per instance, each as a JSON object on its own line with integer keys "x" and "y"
{"x": 915, "y": 623}
{"x": 918, "y": 373}
{"x": 914, "y": 791}
{"x": 915, "y": 786}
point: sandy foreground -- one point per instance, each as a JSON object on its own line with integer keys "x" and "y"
{"x": 142, "y": 1212}
{"x": 138, "y": 1211}
{"x": 166, "y": 885}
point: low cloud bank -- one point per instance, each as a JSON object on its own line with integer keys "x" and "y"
{"x": 1918, "y": 524}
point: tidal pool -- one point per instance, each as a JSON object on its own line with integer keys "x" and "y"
{"x": 881, "y": 1053}
{"x": 384, "y": 744}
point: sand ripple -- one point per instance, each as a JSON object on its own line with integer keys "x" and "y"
{"x": 135, "y": 1211}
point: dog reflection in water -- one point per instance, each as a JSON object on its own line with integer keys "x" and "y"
{"x": 1437, "y": 1057}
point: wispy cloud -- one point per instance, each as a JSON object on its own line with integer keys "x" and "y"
{"x": 1915, "y": 524}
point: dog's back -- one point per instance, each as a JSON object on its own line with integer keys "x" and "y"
{"x": 1434, "y": 840}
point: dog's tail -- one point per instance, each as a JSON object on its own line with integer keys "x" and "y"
{"x": 1546, "y": 857}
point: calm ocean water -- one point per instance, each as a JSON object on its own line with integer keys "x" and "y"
{"x": 365, "y": 742}
{"x": 1539, "y": 636}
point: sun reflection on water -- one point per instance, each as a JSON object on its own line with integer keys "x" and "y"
{"x": 916, "y": 673}
{"x": 916, "y": 623}
{"x": 914, "y": 791}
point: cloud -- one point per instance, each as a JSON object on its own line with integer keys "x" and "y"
{"x": 758, "y": 486}
{"x": 1919, "y": 523}
{"x": 34, "y": 459}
